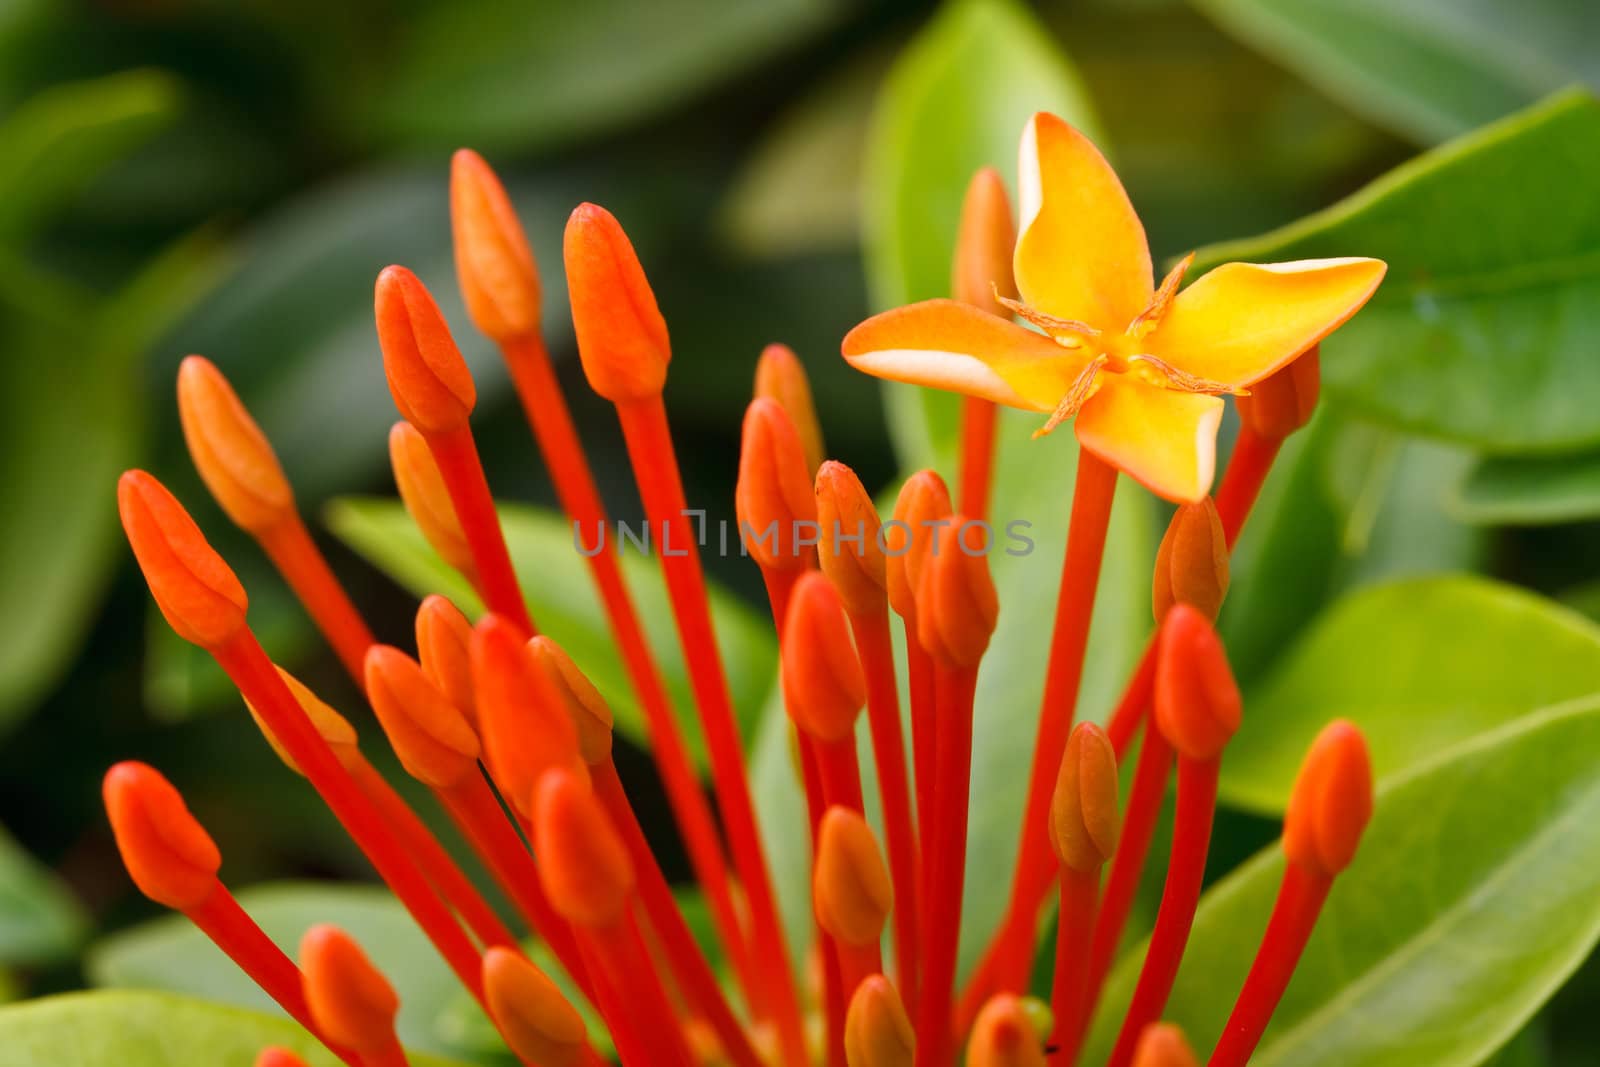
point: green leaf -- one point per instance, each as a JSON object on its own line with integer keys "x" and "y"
{"x": 1428, "y": 69}
{"x": 563, "y": 601}
{"x": 502, "y": 75}
{"x": 150, "y": 1030}
{"x": 1532, "y": 491}
{"x": 171, "y": 955}
{"x": 1475, "y": 894}
{"x": 1419, "y": 665}
{"x": 956, "y": 101}
{"x": 1484, "y": 330}
{"x": 40, "y": 921}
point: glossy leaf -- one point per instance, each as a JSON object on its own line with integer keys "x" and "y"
{"x": 1530, "y": 491}
{"x": 40, "y": 921}
{"x": 1419, "y": 665}
{"x": 1475, "y": 894}
{"x": 565, "y": 605}
{"x": 1483, "y": 331}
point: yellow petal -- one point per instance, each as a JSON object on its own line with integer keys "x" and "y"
{"x": 947, "y": 345}
{"x": 1081, "y": 250}
{"x": 1164, "y": 439}
{"x": 1243, "y": 321}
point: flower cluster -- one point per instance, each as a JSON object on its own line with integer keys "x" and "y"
{"x": 515, "y": 743}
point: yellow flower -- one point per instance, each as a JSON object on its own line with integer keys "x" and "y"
{"x": 1139, "y": 368}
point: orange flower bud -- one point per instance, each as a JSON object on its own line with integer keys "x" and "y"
{"x": 168, "y": 853}
{"x": 1192, "y": 563}
{"x": 537, "y": 1021}
{"x": 1197, "y": 704}
{"x": 622, "y": 338}
{"x": 780, "y": 376}
{"x": 278, "y": 1057}
{"x": 433, "y": 739}
{"x": 1084, "y": 822}
{"x": 984, "y": 244}
{"x": 908, "y": 537}
{"x": 444, "y": 645}
{"x": 1331, "y": 803}
{"x": 582, "y": 861}
{"x": 848, "y": 548}
{"x": 427, "y": 376}
{"x": 773, "y": 497}
{"x": 196, "y": 591}
{"x": 823, "y": 685}
{"x": 494, "y": 264}
{"x": 334, "y": 728}
{"x": 590, "y": 713}
{"x": 1163, "y": 1045}
{"x": 1004, "y": 1036}
{"x": 850, "y": 887}
{"x": 957, "y": 606}
{"x": 350, "y": 1000}
{"x": 423, "y": 492}
{"x": 229, "y": 450}
{"x": 877, "y": 1032}
{"x": 1284, "y": 401}
{"x": 523, "y": 725}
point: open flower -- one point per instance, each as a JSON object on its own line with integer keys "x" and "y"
{"x": 1142, "y": 368}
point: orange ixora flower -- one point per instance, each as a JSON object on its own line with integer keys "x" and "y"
{"x": 1142, "y": 367}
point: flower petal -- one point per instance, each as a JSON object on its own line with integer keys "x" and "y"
{"x": 1081, "y": 250}
{"x": 954, "y": 346}
{"x": 1164, "y": 439}
{"x": 1242, "y": 321}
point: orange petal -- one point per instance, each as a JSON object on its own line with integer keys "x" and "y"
{"x": 1243, "y": 321}
{"x": 947, "y": 345}
{"x": 1163, "y": 439}
{"x": 1081, "y": 250}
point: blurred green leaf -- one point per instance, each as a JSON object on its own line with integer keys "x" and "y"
{"x": 1419, "y": 665}
{"x": 150, "y": 1030}
{"x": 956, "y": 101}
{"x": 1484, "y": 330}
{"x": 562, "y": 598}
{"x": 1532, "y": 491}
{"x": 40, "y": 921}
{"x": 504, "y": 75}
{"x": 1475, "y": 894}
{"x": 1429, "y": 69}
{"x": 172, "y": 955}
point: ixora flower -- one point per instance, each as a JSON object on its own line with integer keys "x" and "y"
{"x": 515, "y": 744}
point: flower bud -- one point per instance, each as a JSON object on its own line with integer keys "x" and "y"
{"x": 537, "y": 1021}
{"x": 1197, "y": 703}
{"x": 1163, "y": 1045}
{"x": 1285, "y": 400}
{"x": 823, "y": 685}
{"x": 877, "y": 1032}
{"x": 773, "y": 498}
{"x": 1331, "y": 802}
{"x": 908, "y": 537}
{"x": 984, "y": 244}
{"x": 350, "y": 1000}
{"x": 278, "y": 1057}
{"x": 494, "y": 265}
{"x": 423, "y": 492}
{"x": 1084, "y": 822}
{"x": 444, "y": 645}
{"x": 1192, "y": 563}
{"x": 435, "y": 743}
{"x": 229, "y": 450}
{"x": 430, "y": 381}
{"x": 196, "y": 591}
{"x": 850, "y": 888}
{"x": 334, "y": 728}
{"x": 524, "y": 727}
{"x": 781, "y": 377}
{"x": 1004, "y": 1036}
{"x": 957, "y": 605}
{"x": 590, "y": 713}
{"x": 622, "y": 338}
{"x": 848, "y": 548}
{"x": 582, "y": 861}
{"x": 168, "y": 853}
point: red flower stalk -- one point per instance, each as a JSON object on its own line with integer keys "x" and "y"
{"x": 1276, "y": 407}
{"x": 852, "y": 894}
{"x": 349, "y": 998}
{"x": 237, "y": 463}
{"x": 877, "y": 1032}
{"x": 1163, "y": 1045}
{"x": 433, "y": 389}
{"x": 780, "y": 377}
